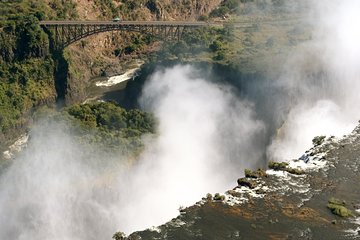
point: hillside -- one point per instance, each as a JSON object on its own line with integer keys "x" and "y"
{"x": 31, "y": 75}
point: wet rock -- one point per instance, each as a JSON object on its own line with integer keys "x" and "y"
{"x": 304, "y": 234}
{"x": 305, "y": 158}
{"x": 260, "y": 191}
{"x": 247, "y": 183}
{"x": 295, "y": 171}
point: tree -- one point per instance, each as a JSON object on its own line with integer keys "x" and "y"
{"x": 216, "y": 46}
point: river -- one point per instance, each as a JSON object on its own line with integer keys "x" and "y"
{"x": 112, "y": 88}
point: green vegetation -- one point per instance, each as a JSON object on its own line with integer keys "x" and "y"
{"x": 26, "y": 68}
{"x": 119, "y": 236}
{"x": 218, "y": 197}
{"x": 26, "y": 65}
{"x": 103, "y": 127}
{"x": 109, "y": 116}
{"x": 226, "y": 7}
{"x": 111, "y": 127}
{"x": 284, "y": 166}
{"x": 63, "y": 9}
{"x": 210, "y": 43}
{"x": 278, "y": 165}
{"x": 318, "y": 140}
{"x": 255, "y": 174}
{"x": 247, "y": 183}
{"x": 337, "y": 207}
{"x": 248, "y": 46}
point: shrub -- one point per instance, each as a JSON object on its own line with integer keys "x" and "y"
{"x": 284, "y": 166}
{"x": 255, "y": 174}
{"x": 247, "y": 183}
{"x": 278, "y": 165}
{"x": 119, "y": 236}
{"x": 216, "y": 46}
{"x": 203, "y": 18}
{"x": 220, "y": 12}
{"x": 318, "y": 140}
{"x": 337, "y": 207}
{"x": 220, "y": 56}
{"x": 219, "y": 197}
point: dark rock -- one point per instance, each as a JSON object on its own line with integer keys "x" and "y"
{"x": 305, "y": 158}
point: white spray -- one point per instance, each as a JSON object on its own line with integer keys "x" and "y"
{"x": 57, "y": 190}
{"x": 322, "y": 80}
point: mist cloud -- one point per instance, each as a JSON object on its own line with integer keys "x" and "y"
{"x": 321, "y": 79}
{"x": 206, "y": 138}
{"x": 57, "y": 189}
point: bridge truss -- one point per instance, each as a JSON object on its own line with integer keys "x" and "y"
{"x": 65, "y": 33}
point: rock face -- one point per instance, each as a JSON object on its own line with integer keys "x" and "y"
{"x": 282, "y": 205}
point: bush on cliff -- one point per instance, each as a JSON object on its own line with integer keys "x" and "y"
{"x": 110, "y": 126}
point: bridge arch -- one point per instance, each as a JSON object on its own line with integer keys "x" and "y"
{"x": 65, "y": 33}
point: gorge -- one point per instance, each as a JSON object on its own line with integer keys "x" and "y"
{"x": 207, "y": 114}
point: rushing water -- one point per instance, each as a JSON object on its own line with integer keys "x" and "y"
{"x": 112, "y": 88}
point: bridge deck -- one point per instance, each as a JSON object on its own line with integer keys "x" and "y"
{"x": 128, "y": 23}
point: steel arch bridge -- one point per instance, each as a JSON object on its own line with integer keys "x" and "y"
{"x": 68, "y": 32}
